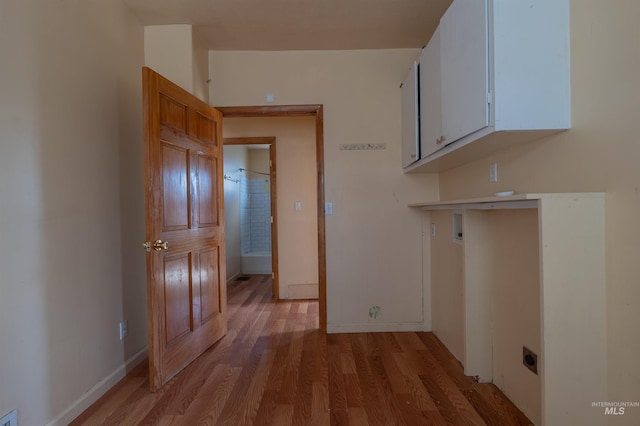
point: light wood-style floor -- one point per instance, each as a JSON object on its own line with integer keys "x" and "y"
{"x": 275, "y": 368}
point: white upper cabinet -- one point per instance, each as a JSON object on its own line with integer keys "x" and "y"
{"x": 464, "y": 61}
{"x": 410, "y": 130}
{"x": 430, "y": 110}
{"x": 504, "y": 79}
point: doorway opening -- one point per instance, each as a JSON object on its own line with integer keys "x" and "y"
{"x": 255, "y": 203}
{"x": 315, "y": 111}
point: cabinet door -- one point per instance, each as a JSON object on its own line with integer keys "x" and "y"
{"x": 464, "y": 68}
{"x": 410, "y": 133}
{"x": 430, "y": 105}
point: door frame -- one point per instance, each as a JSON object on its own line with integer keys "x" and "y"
{"x": 300, "y": 111}
{"x": 271, "y": 141}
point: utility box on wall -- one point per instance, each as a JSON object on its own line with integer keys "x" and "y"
{"x": 457, "y": 226}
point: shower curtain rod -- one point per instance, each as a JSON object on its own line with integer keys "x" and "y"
{"x": 253, "y": 171}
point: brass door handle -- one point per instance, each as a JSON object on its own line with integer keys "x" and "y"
{"x": 158, "y": 245}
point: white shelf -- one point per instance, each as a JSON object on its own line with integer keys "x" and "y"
{"x": 510, "y": 202}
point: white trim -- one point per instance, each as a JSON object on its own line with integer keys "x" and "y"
{"x": 374, "y": 327}
{"x": 11, "y": 419}
{"x": 99, "y": 389}
{"x": 510, "y": 205}
{"x": 233, "y": 277}
{"x": 426, "y": 271}
{"x": 509, "y": 198}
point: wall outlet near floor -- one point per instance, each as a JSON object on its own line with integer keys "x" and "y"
{"x": 10, "y": 419}
{"x": 124, "y": 332}
{"x": 374, "y": 311}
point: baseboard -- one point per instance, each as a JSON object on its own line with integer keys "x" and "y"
{"x": 303, "y": 291}
{"x": 374, "y": 327}
{"x": 85, "y": 401}
{"x": 233, "y": 277}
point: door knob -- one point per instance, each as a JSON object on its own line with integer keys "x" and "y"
{"x": 158, "y": 245}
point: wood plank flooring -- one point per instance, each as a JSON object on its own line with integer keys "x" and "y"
{"x": 275, "y": 368}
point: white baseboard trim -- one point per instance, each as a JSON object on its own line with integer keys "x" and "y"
{"x": 233, "y": 277}
{"x": 99, "y": 389}
{"x": 303, "y": 291}
{"x": 374, "y": 327}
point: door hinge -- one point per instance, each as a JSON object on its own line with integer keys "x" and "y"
{"x": 271, "y": 219}
{"x": 489, "y": 97}
{"x": 273, "y": 275}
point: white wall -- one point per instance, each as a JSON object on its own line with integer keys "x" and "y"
{"x": 200, "y": 67}
{"x": 235, "y": 157}
{"x": 259, "y": 161}
{"x": 374, "y": 241}
{"x": 168, "y": 50}
{"x": 178, "y": 53}
{"x": 72, "y": 212}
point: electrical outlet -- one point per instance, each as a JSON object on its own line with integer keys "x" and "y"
{"x": 493, "y": 172}
{"x": 374, "y": 311}
{"x": 124, "y": 330}
{"x": 10, "y": 419}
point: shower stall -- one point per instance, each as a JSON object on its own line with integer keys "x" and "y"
{"x": 255, "y": 222}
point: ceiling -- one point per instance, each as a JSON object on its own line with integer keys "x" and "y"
{"x": 299, "y": 24}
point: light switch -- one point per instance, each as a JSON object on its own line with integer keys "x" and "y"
{"x": 328, "y": 208}
{"x": 493, "y": 172}
{"x": 297, "y": 206}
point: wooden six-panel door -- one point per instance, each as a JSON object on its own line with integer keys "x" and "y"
{"x": 186, "y": 290}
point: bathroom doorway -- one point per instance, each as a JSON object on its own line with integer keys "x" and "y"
{"x": 251, "y": 200}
